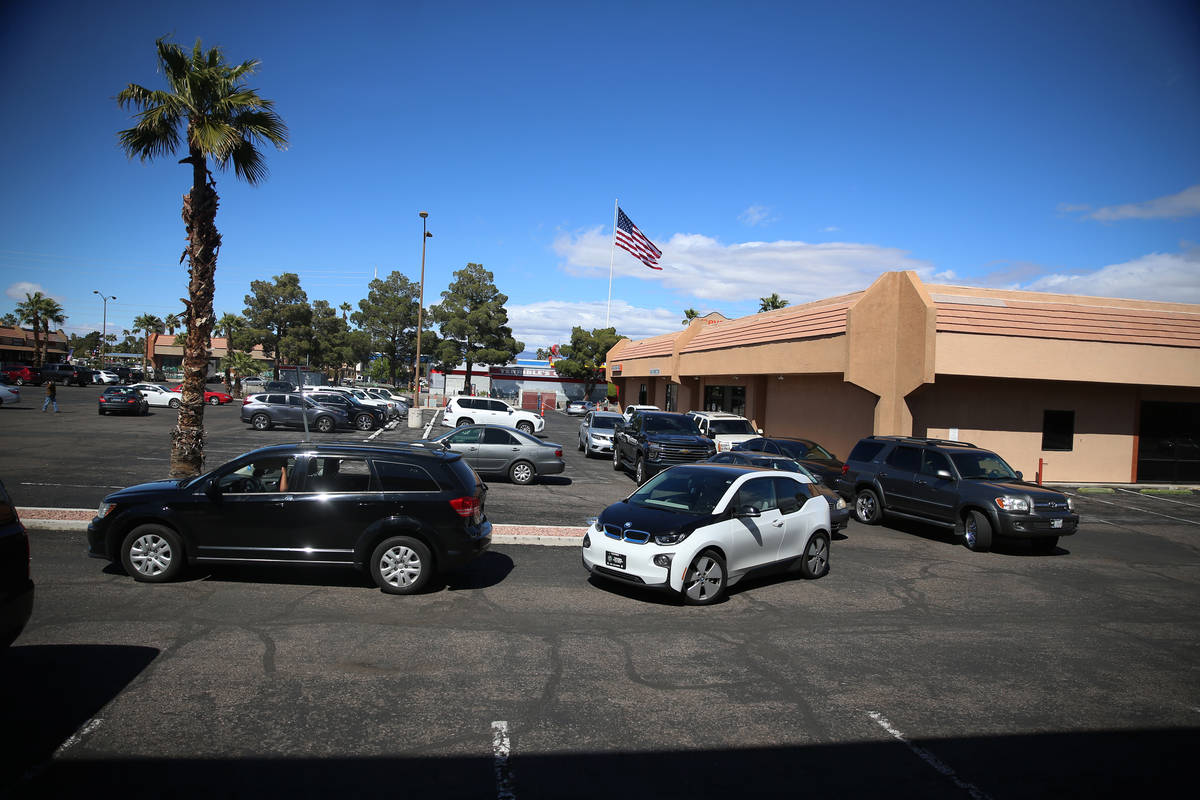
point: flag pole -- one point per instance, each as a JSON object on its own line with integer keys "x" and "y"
{"x": 612, "y": 249}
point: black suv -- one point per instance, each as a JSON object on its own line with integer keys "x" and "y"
{"x": 66, "y": 374}
{"x": 401, "y": 513}
{"x": 653, "y": 440}
{"x": 362, "y": 416}
{"x": 955, "y": 485}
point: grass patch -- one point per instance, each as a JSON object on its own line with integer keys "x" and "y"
{"x": 1096, "y": 490}
{"x": 1169, "y": 492}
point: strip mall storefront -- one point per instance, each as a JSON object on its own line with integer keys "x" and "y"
{"x": 1091, "y": 389}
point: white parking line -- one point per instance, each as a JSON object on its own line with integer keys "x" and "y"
{"x": 1129, "y": 508}
{"x": 1157, "y": 497}
{"x": 501, "y": 748}
{"x": 928, "y": 757}
{"x": 72, "y": 740}
{"x": 432, "y": 420}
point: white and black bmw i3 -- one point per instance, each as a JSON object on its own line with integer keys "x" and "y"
{"x": 698, "y": 529}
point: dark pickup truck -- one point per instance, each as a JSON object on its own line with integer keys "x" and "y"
{"x": 653, "y": 440}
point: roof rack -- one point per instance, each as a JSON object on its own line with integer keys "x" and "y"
{"x": 923, "y": 440}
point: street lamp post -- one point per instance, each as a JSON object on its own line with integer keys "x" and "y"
{"x": 425, "y": 234}
{"x": 104, "y": 325}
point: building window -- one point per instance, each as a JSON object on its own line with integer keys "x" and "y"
{"x": 731, "y": 399}
{"x": 672, "y": 396}
{"x": 1058, "y": 430}
{"x": 642, "y": 395}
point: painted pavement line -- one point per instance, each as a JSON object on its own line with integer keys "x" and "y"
{"x": 1093, "y": 498}
{"x": 501, "y": 749}
{"x": 72, "y": 740}
{"x": 928, "y": 757}
{"x": 1158, "y": 497}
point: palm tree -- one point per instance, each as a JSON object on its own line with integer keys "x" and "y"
{"x": 149, "y": 325}
{"x": 771, "y": 303}
{"x": 345, "y": 309}
{"x": 38, "y": 311}
{"x": 171, "y": 322}
{"x": 241, "y": 365}
{"x": 210, "y": 110}
{"x": 53, "y": 312}
{"x": 227, "y": 324}
{"x": 10, "y": 320}
{"x": 689, "y": 314}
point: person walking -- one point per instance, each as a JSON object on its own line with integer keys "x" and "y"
{"x": 51, "y": 396}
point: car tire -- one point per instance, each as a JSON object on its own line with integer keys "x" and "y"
{"x": 261, "y": 422}
{"x": 145, "y": 411}
{"x": 639, "y": 472}
{"x": 522, "y": 473}
{"x": 464, "y": 421}
{"x": 325, "y": 424}
{"x": 1044, "y": 547}
{"x": 100, "y": 411}
{"x": 616, "y": 458}
{"x": 214, "y": 401}
{"x": 401, "y": 565}
{"x": 152, "y": 553}
{"x": 364, "y": 422}
{"x": 525, "y": 427}
{"x": 815, "y": 561}
{"x": 977, "y": 532}
{"x": 705, "y": 579}
{"x": 581, "y": 447}
{"x": 867, "y": 508}
{"x": 173, "y": 403}
{"x": 19, "y": 381}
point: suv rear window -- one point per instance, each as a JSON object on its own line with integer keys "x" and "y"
{"x": 397, "y": 477}
{"x": 865, "y": 450}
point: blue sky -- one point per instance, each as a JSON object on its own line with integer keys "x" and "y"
{"x": 798, "y": 148}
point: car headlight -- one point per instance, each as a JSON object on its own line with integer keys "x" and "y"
{"x": 1017, "y": 503}
{"x": 841, "y": 503}
{"x": 654, "y": 451}
{"x": 671, "y": 537}
{"x": 104, "y": 510}
{"x": 1070, "y": 504}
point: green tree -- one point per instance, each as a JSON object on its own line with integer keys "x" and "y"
{"x": 10, "y": 320}
{"x": 38, "y": 311}
{"x": 474, "y": 322}
{"x": 388, "y": 316}
{"x": 334, "y": 344}
{"x": 771, "y": 303}
{"x": 584, "y": 358}
{"x": 210, "y": 110}
{"x": 239, "y": 364}
{"x": 228, "y": 325}
{"x": 345, "y": 308}
{"x": 84, "y": 346}
{"x": 274, "y": 310}
{"x": 171, "y": 322}
{"x": 689, "y": 314}
{"x": 147, "y": 325}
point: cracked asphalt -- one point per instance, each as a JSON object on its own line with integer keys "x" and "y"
{"x": 914, "y": 669}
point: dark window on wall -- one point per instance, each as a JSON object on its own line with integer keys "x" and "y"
{"x": 642, "y": 396}
{"x": 672, "y": 396}
{"x": 1058, "y": 430}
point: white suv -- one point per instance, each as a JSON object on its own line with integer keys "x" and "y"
{"x": 724, "y": 429}
{"x": 470, "y": 410}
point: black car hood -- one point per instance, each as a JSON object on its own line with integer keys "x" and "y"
{"x": 678, "y": 438}
{"x": 1020, "y": 487}
{"x": 152, "y": 487}
{"x": 651, "y": 520}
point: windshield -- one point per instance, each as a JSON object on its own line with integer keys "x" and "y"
{"x": 692, "y": 491}
{"x": 678, "y": 424}
{"x": 982, "y": 464}
{"x": 734, "y": 426}
{"x": 801, "y": 449}
{"x": 604, "y": 423}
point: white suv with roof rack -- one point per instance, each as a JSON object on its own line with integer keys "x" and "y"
{"x": 724, "y": 429}
{"x": 472, "y": 410}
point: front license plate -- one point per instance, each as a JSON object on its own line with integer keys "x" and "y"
{"x": 1056, "y": 523}
{"x": 614, "y": 560}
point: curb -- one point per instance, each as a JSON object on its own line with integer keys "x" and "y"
{"x": 77, "y": 519}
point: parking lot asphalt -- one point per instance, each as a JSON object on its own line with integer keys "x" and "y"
{"x": 914, "y": 669}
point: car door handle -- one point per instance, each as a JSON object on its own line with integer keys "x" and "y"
{"x": 920, "y": 482}
{"x": 516, "y": 449}
{"x": 777, "y": 523}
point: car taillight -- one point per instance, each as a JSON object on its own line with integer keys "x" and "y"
{"x": 102, "y": 400}
{"x": 246, "y": 401}
{"x": 558, "y": 453}
{"x": 845, "y": 468}
{"x": 467, "y": 507}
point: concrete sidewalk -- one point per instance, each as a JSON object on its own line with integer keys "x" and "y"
{"x": 77, "y": 519}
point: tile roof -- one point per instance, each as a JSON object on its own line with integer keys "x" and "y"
{"x": 662, "y": 345}
{"x": 822, "y": 318}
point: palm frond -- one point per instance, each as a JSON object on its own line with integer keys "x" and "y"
{"x": 248, "y": 163}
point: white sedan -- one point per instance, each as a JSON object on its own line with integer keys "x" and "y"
{"x": 697, "y": 529}
{"x": 9, "y": 394}
{"x": 157, "y": 395}
{"x": 104, "y": 376}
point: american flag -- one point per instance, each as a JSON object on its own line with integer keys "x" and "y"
{"x": 631, "y": 239}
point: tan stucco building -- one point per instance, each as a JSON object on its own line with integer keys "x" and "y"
{"x": 1095, "y": 389}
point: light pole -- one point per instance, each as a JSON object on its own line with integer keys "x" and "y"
{"x": 104, "y": 325}
{"x": 425, "y": 234}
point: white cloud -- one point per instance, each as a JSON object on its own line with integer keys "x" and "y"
{"x": 756, "y": 215}
{"x": 1169, "y": 277}
{"x": 830, "y": 229}
{"x": 701, "y": 267}
{"x": 1172, "y": 206}
{"x": 18, "y": 290}
{"x": 549, "y": 322}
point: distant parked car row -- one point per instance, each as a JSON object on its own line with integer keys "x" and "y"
{"x": 68, "y": 374}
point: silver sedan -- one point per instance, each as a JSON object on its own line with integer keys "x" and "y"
{"x": 500, "y": 450}
{"x": 596, "y": 432}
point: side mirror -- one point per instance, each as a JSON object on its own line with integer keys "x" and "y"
{"x": 213, "y": 490}
{"x": 510, "y": 411}
{"x": 747, "y": 511}
{"x": 1020, "y": 477}
{"x": 945, "y": 475}
{"x": 760, "y": 431}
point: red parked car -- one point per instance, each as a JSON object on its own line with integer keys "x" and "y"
{"x": 21, "y": 374}
{"x": 212, "y": 398}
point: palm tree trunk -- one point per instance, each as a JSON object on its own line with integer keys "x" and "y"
{"x": 37, "y": 341}
{"x": 199, "y": 218}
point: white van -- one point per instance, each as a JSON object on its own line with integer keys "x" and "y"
{"x": 724, "y": 429}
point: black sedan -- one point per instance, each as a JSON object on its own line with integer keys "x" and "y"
{"x": 123, "y": 400}
{"x": 819, "y": 461}
{"x": 839, "y": 511}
